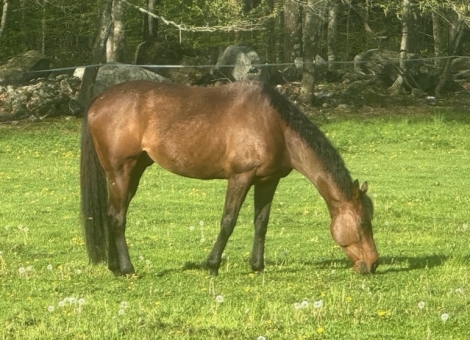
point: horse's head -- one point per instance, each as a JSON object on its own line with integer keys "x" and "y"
{"x": 351, "y": 228}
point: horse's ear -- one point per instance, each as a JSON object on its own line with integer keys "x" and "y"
{"x": 364, "y": 187}
{"x": 356, "y": 191}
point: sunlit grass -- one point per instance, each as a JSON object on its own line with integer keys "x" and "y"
{"x": 418, "y": 176}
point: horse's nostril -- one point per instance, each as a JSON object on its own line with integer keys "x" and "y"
{"x": 373, "y": 267}
{"x": 363, "y": 268}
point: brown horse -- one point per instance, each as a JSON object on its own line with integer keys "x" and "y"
{"x": 245, "y": 132}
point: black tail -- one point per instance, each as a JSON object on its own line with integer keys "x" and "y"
{"x": 94, "y": 198}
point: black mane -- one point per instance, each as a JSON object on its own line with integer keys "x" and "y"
{"x": 315, "y": 138}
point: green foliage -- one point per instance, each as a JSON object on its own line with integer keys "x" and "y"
{"x": 417, "y": 168}
{"x": 63, "y": 28}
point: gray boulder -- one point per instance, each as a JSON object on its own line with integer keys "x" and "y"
{"x": 19, "y": 69}
{"x": 115, "y": 73}
{"x": 239, "y": 63}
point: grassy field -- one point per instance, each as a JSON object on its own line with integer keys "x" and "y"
{"x": 418, "y": 168}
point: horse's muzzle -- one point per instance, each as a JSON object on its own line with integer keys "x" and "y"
{"x": 363, "y": 269}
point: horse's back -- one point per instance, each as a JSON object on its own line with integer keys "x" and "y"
{"x": 192, "y": 131}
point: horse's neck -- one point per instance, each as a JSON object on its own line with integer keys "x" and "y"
{"x": 309, "y": 164}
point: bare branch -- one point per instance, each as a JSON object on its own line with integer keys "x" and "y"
{"x": 240, "y": 26}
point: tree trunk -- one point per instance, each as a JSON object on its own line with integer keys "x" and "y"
{"x": 309, "y": 42}
{"x": 455, "y": 45}
{"x": 398, "y": 85}
{"x": 440, "y": 41}
{"x": 4, "y": 17}
{"x": 270, "y": 35}
{"x": 152, "y": 21}
{"x": 43, "y": 28}
{"x": 98, "y": 56}
{"x": 292, "y": 30}
{"x": 115, "y": 44}
{"x": 332, "y": 32}
{"x": 104, "y": 28}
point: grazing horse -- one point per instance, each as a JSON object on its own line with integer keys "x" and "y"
{"x": 245, "y": 132}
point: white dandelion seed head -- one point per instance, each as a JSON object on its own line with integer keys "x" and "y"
{"x": 219, "y": 299}
{"x": 50, "y": 309}
{"x": 78, "y": 271}
{"x": 123, "y": 305}
{"x": 297, "y": 306}
{"x": 203, "y": 240}
{"x": 25, "y": 229}
{"x": 49, "y": 267}
{"x": 201, "y": 223}
{"x": 62, "y": 303}
{"x": 464, "y": 226}
{"x": 121, "y": 312}
{"x": 304, "y": 304}
{"x": 459, "y": 290}
{"x": 141, "y": 258}
{"x": 191, "y": 228}
{"x": 421, "y": 304}
{"x": 29, "y": 268}
{"x": 444, "y": 317}
{"x": 81, "y": 301}
{"x": 261, "y": 338}
{"x": 318, "y": 304}
{"x": 147, "y": 262}
{"x": 21, "y": 270}
{"x": 72, "y": 300}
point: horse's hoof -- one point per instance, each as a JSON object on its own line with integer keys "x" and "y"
{"x": 213, "y": 269}
{"x": 125, "y": 272}
{"x": 257, "y": 269}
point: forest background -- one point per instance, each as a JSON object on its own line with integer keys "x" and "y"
{"x": 75, "y": 33}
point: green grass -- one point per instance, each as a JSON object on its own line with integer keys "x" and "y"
{"x": 418, "y": 173}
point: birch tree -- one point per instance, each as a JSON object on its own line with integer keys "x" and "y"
{"x": 405, "y": 18}
{"x": 309, "y": 37}
{"x": 115, "y": 43}
{"x": 332, "y": 32}
{"x": 4, "y": 17}
{"x": 292, "y": 30}
{"x": 98, "y": 54}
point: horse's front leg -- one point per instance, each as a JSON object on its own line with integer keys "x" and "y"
{"x": 264, "y": 193}
{"x": 237, "y": 189}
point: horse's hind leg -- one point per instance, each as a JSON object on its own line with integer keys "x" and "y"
{"x": 123, "y": 185}
{"x": 236, "y": 192}
{"x": 264, "y": 193}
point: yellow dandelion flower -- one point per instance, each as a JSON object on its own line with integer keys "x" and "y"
{"x": 382, "y": 313}
{"x": 320, "y": 330}
{"x": 348, "y": 299}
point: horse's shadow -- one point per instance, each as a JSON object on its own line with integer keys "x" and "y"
{"x": 392, "y": 263}
{"x": 186, "y": 266}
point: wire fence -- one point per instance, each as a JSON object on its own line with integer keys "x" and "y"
{"x": 261, "y": 65}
